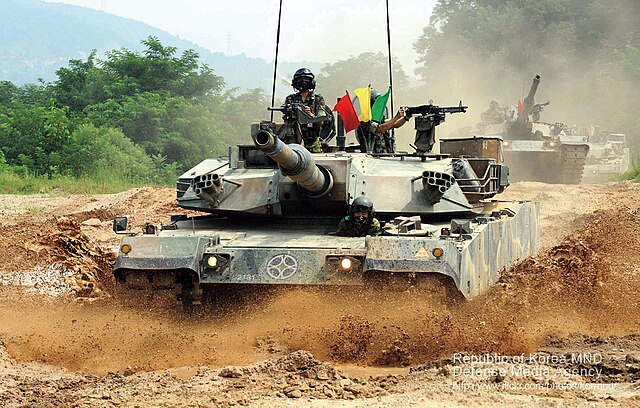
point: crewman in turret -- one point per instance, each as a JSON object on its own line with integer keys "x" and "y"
{"x": 361, "y": 220}
{"x": 313, "y": 105}
{"x": 379, "y": 133}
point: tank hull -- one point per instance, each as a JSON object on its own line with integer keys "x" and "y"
{"x": 555, "y": 162}
{"x": 308, "y": 253}
{"x": 601, "y": 169}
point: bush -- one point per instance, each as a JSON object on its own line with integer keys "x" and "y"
{"x": 107, "y": 155}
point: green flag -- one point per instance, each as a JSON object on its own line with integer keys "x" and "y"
{"x": 377, "y": 111}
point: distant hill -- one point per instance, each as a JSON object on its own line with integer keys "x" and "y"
{"x": 36, "y": 38}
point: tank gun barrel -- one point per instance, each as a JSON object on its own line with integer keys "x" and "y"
{"x": 297, "y": 163}
{"x": 529, "y": 101}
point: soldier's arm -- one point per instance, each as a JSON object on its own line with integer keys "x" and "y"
{"x": 395, "y": 122}
{"x": 374, "y": 228}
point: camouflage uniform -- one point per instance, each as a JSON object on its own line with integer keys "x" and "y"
{"x": 309, "y": 133}
{"x": 382, "y": 142}
{"x": 349, "y": 227}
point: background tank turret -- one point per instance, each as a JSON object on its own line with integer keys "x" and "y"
{"x": 520, "y": 127}
{"x": 270, "y": 213}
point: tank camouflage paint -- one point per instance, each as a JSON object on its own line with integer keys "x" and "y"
{"x": 270, "y": 213}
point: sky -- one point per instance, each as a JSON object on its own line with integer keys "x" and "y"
{"x": 319, "y": 31}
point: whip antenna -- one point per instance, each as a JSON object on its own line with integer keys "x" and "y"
{"x": 390, "y": 68}
{"x": 275, "y": 64}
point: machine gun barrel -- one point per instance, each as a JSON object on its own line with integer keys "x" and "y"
{"x": 431, "y": 109}
{"x": 427, "y": 118}
{"x": 297, "y": 163}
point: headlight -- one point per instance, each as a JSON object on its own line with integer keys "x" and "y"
{"x": 345, "y": 263}
{"x": 552, "y": 144}
{"x": 126, "y": 248}
{"x": 216, "y": 262}
{"x": 437, "y": 252}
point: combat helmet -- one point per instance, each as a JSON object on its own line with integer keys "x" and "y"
{"x": 303, "y": 80}
{"x": 374, "y": 95}
{"x": 362, "y": 204}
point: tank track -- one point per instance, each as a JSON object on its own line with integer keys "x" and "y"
{"x": 572, "y": 162}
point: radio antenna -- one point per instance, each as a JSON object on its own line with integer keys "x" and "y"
{"x": 275, "y": 64}
{"x": 390, "y": 67}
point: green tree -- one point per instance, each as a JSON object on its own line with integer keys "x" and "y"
{"x": 136, "y": 117}
{"x": 161, "y": 101}
{"x": 107, "y": 155}
{"x": 34, "y": 136}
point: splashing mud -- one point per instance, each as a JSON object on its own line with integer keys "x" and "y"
{"x": 587, "y": 284}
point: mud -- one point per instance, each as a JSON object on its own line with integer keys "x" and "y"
{"x": 579, "y": 295}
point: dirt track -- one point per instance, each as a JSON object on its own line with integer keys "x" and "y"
{"x": 564, "y": 326}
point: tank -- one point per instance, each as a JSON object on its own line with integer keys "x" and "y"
{"x": 269, "y": 213}
{"x": 535, "y": 150}
{"x": 608, "y": 157}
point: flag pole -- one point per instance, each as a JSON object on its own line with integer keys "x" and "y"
{"x": 390, "y": 67}
{"x": 275, "y": 64}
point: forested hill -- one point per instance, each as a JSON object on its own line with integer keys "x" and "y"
{"x": 38, "y": 38}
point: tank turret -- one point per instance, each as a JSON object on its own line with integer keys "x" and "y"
{"x": 520, "y": 127}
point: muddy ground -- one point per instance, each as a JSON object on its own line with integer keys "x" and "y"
{"x": 560, "y": 329}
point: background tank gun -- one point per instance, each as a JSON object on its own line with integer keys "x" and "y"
{"x": 521, "y": 127}
{"x": 427, "y": 117}
{"x": 529, "y": 101}
{"x": 537, "y": 109}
